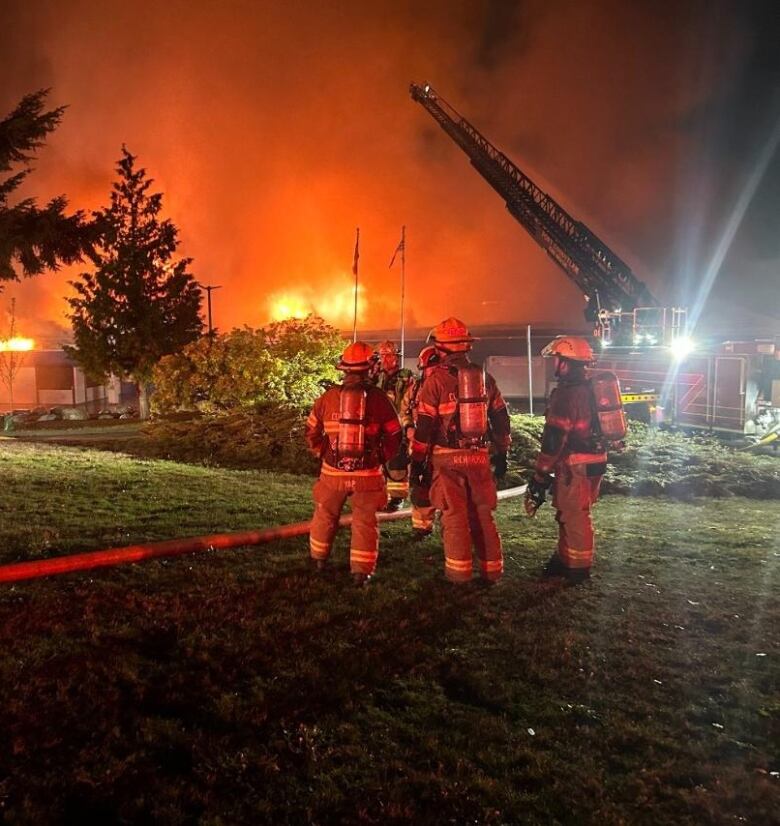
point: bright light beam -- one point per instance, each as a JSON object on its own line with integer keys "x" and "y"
{"x": 721, "y": 249}
{"x": 733, "y": 223}
{"x": 681, "y": 347}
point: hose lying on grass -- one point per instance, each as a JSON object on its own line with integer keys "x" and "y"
{"x": 766, "y": 439}
{"x": 18, "y": 571}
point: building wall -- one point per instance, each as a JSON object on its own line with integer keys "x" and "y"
{"x": 48, "y": 378}
{"x": 24, "y": 388}
{"x": 511, "y": 375}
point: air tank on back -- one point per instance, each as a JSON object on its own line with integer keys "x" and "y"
{"x": 472, "y": 404}
{"x": 352, "y": 423}
{"x": 609, "y": 407}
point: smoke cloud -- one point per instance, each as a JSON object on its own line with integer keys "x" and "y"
{"x": 275, "y": 129}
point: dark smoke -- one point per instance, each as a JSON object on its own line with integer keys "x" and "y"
{"x": 275, "y": 129}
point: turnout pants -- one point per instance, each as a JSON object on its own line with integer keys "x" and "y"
{"x": 368, "y": 494}
{"x": 423, "y": 517}
{"x": 574, "y": 491}
{"x": 464, "y": 491}
{"x": 397, "y": 472}
{"x": 423, "y": 512}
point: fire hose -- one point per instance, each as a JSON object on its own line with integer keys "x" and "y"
{"x": 19, "y": 571}
{"x": 768, "y": 437}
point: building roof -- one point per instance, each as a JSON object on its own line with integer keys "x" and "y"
{"x": 47, "y": 358}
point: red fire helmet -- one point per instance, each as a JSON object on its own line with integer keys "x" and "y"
{"x": 427, "y": 358}
{"x": 451, "y": 335}
{"x": 356, "y": 358}
{"x": 569, "y": 347}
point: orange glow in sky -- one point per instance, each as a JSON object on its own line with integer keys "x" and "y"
{"x": 299, "y": 127}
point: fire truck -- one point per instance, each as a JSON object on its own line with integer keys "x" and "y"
{"x": 731, "y": 386}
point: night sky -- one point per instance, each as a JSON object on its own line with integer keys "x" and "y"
{"x": 275, "y": 129}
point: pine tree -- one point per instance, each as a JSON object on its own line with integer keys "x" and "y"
{"x": 32, "y": 238}
{"x": 141, "y": 303}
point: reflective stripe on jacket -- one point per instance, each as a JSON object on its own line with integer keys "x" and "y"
{"x": 569, "y": 435}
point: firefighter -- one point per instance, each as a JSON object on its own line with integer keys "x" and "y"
{"x": 353, "y": 428}
{"x": 572, "y": 460}
{"x": 460, "y": 412}
{"x": 394, "y": 380}
{"x": 423, "y": 512}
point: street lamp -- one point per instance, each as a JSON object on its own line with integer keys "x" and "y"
{"x": 208, "y": 288}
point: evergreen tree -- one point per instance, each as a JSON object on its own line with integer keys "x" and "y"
{"x": 141, "y": 303}
{"x": 32, "y": 238}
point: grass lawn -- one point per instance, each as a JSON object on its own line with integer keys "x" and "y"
{"x": 238, "y": 687}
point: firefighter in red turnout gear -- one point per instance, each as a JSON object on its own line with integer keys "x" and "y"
{"x": 423, "y": 512}
{"x": 353, "y": 428}
{"x": 572, "y": 451}
{"x": 460, "y": 413}
{"x": 394, "y": 381}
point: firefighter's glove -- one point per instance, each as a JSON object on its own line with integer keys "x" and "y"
{"x": 499, "y": 465}
{"x": 420, "y": 474}
{"x": 535, "y": 494}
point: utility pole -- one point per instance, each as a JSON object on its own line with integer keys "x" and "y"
{"x": 402, "y": 249}
{"x": 530, "y": 372}
{"x": 355, "y": 259}
{"x": 403, "y": 291}
{"x": 208, "y": 288}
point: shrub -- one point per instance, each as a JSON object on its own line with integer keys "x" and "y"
{"x": 268, "y": 437}
{"x": 285, "y": 363}
{"x": 660, "y": 462}
{"x": 654, "y": 462}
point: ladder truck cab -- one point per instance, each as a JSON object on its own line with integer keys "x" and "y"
{"x": 640, "y": 340}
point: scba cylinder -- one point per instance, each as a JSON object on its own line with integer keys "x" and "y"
{"x": 352, "y": 423}
{"x": 609, "y": 406}
{"x": 472, "y": 403}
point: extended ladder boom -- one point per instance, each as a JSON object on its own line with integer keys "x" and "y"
{"x": 603, "y": 277}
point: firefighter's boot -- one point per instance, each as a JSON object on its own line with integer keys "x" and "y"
{"x": 361, "y": 580}
{"x": 554, "y": 568}
{"x": 419, "y": 534}
{"x": 393, "y": 504}
{"x": 576, "y": 576}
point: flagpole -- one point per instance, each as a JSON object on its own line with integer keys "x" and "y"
{"x": 403, "y": 288}
{"x": 355, "y": 270}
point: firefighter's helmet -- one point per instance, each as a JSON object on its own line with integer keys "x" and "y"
{"x": 574, "y": 348}
{"x": 427, "y": 358}
{"x": 452, "y": 336}
{"x": 388, "y": 357}
{"x": 387, "y": 348}
{"x": 356, "y": 358}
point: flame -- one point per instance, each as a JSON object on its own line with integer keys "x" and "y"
{"x": 335, "y": 306}
{"x": 16, "y": 345}
{"x": 288, "y": 306}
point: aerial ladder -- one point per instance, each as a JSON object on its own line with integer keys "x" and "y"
{"x": 714, "y": 390}
{"x": 614, "y": 294}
